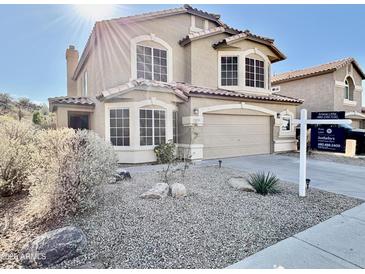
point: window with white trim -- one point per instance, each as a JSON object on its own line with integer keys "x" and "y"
{"x": 152, "y": 127}
{"x": 229, "y": 70}
{"x": 151, "y": 63}
{"x": 119, "y": 126}
{"x": 255, "y": 73}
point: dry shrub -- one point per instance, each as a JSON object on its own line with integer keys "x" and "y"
{"x": 16, "y": 150}
{"x": 67, "y": 170}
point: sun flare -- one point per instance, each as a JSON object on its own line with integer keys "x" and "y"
{"x": 95, "y": 12}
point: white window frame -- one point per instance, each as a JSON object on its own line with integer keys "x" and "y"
{"x": 151, "y": 37}
{"x": 254, "y": 71}
{"x": 153, "y": 62}
{"x": 153, "y": 125}
{"x": 238, "y": 70}
{"x": 109, "y": 125}
{"x": 347, "y": 90}
{"x": 242, "y": 70}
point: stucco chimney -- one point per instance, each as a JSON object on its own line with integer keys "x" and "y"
{"x": 72, "y": 59}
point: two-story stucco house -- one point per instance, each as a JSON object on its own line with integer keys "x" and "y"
{"x": 335, "y": 86}
{"x": 179, "y": 74}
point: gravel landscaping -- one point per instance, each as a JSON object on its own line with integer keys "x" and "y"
{"x": 358, "y": 161}
{"x": 213, "y": 227}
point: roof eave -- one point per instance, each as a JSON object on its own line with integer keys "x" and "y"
{"x": 303, "y": 76}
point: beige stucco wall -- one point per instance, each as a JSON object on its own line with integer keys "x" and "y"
{"x": 317, "y": 92}
{"x": 62, "y": 115}
{"x": 109, "y": 64}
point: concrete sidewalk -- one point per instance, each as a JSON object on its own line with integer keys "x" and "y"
{"x": 338, "y": 242}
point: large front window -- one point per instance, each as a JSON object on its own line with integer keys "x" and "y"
{"x": 152, "y": 127}
{"x": 119, "y": 127}
{"x": 151, "y": 63}
{"x": 229, "y": 71}
{"x": 255, "y": 73}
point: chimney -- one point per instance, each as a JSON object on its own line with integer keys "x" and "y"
{"x": 72, "y": 59}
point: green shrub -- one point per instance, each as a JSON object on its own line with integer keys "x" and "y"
{"x": 165, "y": 153}
{"x": 37, "y": 118}
{"x": 264, "y": 183}
{"x": 16, "y": 150}
{"x": 68, "y": 169}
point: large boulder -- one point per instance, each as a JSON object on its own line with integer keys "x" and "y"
{"x": 178, "y": 190}
{"x": 240, "y": 183}
{"x": 158, "y": 191}
{"x": 53, "y": 247}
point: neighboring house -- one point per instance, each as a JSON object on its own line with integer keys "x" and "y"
{"x": 336, "y": 86}
{"x": 181, "y": 75}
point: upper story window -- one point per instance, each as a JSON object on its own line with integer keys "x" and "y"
{"x": 255, "y": 73}
{"x": 349, "y": 89}
{"x": 229, "y": 70}
{"x": 151, "y": 63}
{"x": 84, "y": 85}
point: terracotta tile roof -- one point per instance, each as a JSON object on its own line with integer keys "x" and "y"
{"x": 205, "y": 33}
{"x": 184, "y": 91}
{"x": 316, "y": 70}
{"x": 191, "y": 89}
{"x": 66, "y": 100}
{"x": 250, "y": 36}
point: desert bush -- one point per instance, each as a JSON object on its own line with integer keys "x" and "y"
{"x": 67, "y": 170}
{"x": 37, "y": 117}
{"x": 16, "y": 149}
{"x": 264, "y": 183}
{"x": 165, "y": 153}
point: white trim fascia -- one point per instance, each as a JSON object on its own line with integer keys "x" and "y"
{"x": 190, "y": 145}
{"x": 150, "y": 37}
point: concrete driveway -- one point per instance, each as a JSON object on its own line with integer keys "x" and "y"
{"x": 334, "y": 177}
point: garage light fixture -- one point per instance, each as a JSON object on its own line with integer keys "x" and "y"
{"x": 196, "y": 111}
{"x": 278, "y": 115}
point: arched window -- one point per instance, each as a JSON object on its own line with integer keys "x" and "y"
{"x": 349, "y": 89}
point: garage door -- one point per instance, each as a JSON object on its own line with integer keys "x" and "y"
{"x": 235, "y": 135}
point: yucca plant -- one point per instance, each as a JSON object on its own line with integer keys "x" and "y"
{"x": 264, "y": 182}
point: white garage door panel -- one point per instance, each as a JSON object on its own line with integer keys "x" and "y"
{"x": 234, "y": 135}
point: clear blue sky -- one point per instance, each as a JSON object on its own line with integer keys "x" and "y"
{"x": 34, "y": 38}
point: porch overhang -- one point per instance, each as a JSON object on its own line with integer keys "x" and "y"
{"x": 84, "y": 103}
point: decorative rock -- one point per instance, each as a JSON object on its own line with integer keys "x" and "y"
{"x": 53, "y": 247}
{"x": 159, "y": 191}
{"x": 240, "y": 183}
{"x": 178, "y": 190}
{"x": 122, "y": 175}
{"x": 91, "y": 265}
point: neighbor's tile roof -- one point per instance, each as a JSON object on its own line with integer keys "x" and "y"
{"x": 317, "y": 70}
{"x": 184, "y": 91}
{"x": 66, "y": 100}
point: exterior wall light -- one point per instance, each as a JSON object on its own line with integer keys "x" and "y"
{"x": 307, "y": 182}
{"x": 278, "y": 115}
{"x": 196, "y": 111}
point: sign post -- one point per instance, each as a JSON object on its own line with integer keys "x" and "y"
{"x": 303, "y": 141}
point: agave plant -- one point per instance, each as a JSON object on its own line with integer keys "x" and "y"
{"x": 264, "y": 182}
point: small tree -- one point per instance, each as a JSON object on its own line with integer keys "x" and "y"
{"x": 37, "y": 118}
{"x": 165, "y": 154}
{"x": 23, "y": 105}
{"x": 5, "y": 103}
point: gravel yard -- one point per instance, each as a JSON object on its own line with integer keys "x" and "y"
{"x": 213, "y": 227}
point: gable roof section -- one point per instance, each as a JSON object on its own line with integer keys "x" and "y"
{"x": 205, "y": 33}
{"x": 184, "y": 91}
{"x": 247, "y": 35}
{"x": 138, "y": 18}
{"x": 316, "y": 70}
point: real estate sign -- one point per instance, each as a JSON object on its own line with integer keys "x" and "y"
{"x": 328, "y": 138}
